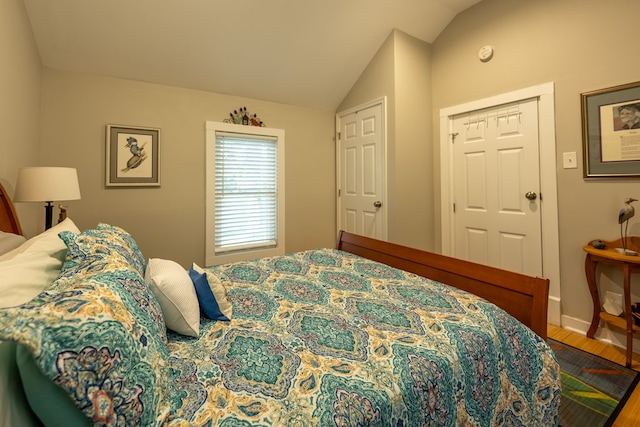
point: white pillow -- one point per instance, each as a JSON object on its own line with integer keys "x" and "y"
{"x": 218, "y": 289}
{"x": 173, "y": 288}
{"x": 47, "y": 240}
{"x": 31, "y": 267}
{"x": 9, "y": 241}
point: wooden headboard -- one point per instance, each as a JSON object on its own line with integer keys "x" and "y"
{"x": 524, "y": 297}
{"x": 9, "y": 222}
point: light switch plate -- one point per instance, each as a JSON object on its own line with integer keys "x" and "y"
{"x": 570, "y": 160}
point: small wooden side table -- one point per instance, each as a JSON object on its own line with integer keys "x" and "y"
{"x": 628, "y": 264}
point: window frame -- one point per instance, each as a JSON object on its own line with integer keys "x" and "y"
{"x": 212, "y": 128}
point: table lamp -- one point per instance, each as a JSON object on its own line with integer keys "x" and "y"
{"x": 47, "y": 184}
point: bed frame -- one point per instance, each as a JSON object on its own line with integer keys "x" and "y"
{"x": 8, "y": 219}
{"x": 524, "y": 297}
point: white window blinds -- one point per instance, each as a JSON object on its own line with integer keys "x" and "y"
{"x": 246, "y": 192}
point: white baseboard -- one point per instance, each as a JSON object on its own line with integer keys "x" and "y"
{"x": 553, "y": 311}
{"x": 605, "y": 333}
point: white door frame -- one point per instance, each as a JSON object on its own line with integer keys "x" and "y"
{"x": 548, "y": 186}
{"x": 383, "y": 102}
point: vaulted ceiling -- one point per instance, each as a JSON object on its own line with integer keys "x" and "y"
{"x": 300, "y": 52}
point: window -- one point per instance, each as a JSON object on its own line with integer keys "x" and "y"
{"x": 244, "y": 192}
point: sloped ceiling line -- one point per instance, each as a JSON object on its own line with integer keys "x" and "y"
{"x": 305, "y": 53}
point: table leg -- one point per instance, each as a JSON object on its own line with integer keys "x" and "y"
{"x": 590, "y": 271}
{"x": 627, "y": 312}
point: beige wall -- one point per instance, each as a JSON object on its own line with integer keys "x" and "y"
{"x": 168, "y": 222}
{"x": 19, "y": 104}
{"x": 414, "y": 224}
{"x": 577, "y": 44}
{"x": 400, "y": 72}
{"x": 580, "y": 46}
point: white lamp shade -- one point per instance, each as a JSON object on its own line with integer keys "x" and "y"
{"x": 47, "y": 184}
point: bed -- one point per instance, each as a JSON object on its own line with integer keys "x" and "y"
{"x": 355, "y": 335}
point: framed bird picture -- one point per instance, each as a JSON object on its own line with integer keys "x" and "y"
{"x": 133, "y": 156}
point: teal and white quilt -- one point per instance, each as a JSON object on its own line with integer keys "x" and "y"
{"x": 318, "y": 338}
{"x": 325, "y": 338}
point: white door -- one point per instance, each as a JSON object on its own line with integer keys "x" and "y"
{"x": 361, "y": 170}
{"x": 496, "y": 181}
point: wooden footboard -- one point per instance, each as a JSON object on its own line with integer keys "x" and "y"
{"x": 524, "y": 297}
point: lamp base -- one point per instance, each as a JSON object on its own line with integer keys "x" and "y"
{"x": 48, "y": 215}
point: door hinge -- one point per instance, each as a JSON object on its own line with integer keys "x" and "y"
{"x": 453, "y": 137}
{"x": 454, "y": 208}
{"x": 339, "y": 192}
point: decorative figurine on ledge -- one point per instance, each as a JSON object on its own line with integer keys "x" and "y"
{"x": 624, "y": 216}
{"x": 242, "y": 117}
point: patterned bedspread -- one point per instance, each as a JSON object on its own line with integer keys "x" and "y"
{"x": 325, "y": 338}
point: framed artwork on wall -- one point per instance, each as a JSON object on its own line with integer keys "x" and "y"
{"x": 611, "y": 132}
{"x": 133, "y": 156}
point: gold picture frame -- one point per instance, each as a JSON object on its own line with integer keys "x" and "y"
{"x": 132, "y": 156}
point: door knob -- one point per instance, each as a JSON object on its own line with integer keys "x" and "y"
{"x": 377, "y": 203}
{"x": 531, "y": 195}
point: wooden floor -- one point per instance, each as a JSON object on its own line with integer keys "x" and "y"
{"x": 630, "y": 415}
